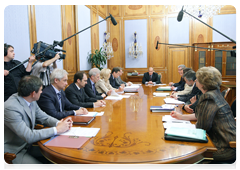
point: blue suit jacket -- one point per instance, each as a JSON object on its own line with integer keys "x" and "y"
{"x": 49, "y": 103}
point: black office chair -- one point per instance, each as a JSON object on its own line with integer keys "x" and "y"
{"x": 233, "y": 108}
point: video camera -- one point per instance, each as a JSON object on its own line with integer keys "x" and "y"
{"x": 50, "y": 51}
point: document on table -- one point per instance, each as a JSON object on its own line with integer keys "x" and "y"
{"x": 93, "y": 114}
{"x": 161, "y": 94}
{"x": 179, "y": 124}
{"x": 113, "y": 93}
{"x": 125, "y": 96}
{"x": 114, "y": 97}
{"x": 199, "y": 134}
{"x": 169, "y": 118}
{"x": 160, "y": 84}
{"x": 81, "y": 131}
{"x": 172, "y": 101}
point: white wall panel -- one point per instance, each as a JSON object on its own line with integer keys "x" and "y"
{"x": 84, "y": 21}
{"x": 48, "y": 25}
{"x": 226, "y": 24}
{"x": 139, "y": 26}
{"x": 16, "y": 30}
{"x": 178, "y": 32}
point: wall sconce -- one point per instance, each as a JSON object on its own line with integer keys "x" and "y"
{"x": 134, "y": 50}
{"x": 107, "y": 46}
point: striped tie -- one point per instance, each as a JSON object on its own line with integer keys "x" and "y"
{"x": 59, "y": 99}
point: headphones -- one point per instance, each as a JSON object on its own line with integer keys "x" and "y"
{"x": 6, "y": 49}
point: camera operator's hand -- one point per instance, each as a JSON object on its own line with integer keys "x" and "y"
{"x": 6, "y": 72}
{"x": 57, "y": 56}
{"x": 31, "y": 59}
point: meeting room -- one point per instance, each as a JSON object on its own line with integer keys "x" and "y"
{"x": 120, "y": 84}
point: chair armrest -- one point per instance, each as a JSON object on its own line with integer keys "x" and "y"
{"x": 232, "y": 144}
{"x": 38, "y": 126}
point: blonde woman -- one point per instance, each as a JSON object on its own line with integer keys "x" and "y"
{"x": 103, "y": 85}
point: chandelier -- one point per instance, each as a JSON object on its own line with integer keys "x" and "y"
{"x": 107, "y": 46}
{"x": 134, "y": 50}
{"x": 200, "y": 11}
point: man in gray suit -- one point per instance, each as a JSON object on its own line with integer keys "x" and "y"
{"x": 21, "y": 112}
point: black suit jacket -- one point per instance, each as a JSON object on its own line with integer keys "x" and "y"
{"x": 79, "y": 98}
{"x": 49, "y": 103}
{"x": 194, "y": 92}
{"x": 146, "y": 77}
{"x": 89, "y": 91}
{"x": 113, "y": 82}
{"x": 180, "y": 85}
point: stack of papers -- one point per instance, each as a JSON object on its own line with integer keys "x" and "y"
{"x": 173, "y": 101}
{"x": 132, "y": 88}
{"x": 186, "y": 134}
{"x": 163, "y": 108}
{"x": 161, "y": 94}
{"x": 166, "y": 88}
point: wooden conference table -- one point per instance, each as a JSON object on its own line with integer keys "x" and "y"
{"x": 130, "y": 134}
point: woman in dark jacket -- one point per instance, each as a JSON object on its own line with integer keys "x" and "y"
{"x": 213, "y": 114}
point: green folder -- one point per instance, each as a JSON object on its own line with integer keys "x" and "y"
{"x": 163, "y": 89}
{"x": 186, "y": 134}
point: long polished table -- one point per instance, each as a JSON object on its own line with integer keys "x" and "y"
{"x": 130, "y": 134}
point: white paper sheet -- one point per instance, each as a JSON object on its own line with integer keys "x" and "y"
{"x": 93, "y": 114}
{"x": 81, "y": 131}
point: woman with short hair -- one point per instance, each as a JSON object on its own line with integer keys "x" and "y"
{"x": 213, "y": 114}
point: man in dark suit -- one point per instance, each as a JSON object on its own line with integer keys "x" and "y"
{"x": 190, "y": 78}
{"x": 180, "y": 85}
{"x": 21, "y": 112}
{"x": 53, "y": 100}
{"x": 113, "y": 76}
{"x": 90, "y": 90}
{"x": 150, "y": 77}
{"x": 76, "y": 94}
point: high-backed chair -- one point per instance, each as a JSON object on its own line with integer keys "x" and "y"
{"x": 225, "y": 93}
{"x": 160, "y": 77}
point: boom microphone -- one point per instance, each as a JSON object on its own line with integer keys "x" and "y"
{"x": 180, "y": 15}
{"x": 113, "y": 20}
{"x": 157, "y": 45}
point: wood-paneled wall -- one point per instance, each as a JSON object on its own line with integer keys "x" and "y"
{"x": 164, "y": 60}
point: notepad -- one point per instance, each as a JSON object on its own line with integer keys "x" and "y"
{"x": 186, "y": 134}
{"x": 82, "y": 120}
{"x": 67, "y": 141}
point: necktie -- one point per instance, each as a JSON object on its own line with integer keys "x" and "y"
{"x": 59, "y": 100}
{"x": 150, "y": 78}
{"x": 94, "y": 90}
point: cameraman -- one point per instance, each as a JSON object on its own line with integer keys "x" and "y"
{"x": 12, "y": 78}
{"x": 44, "y": 69}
